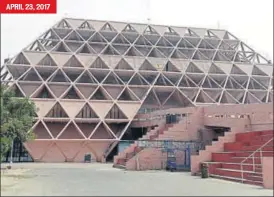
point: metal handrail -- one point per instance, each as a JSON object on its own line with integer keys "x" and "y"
{"x": 253, "y": 157}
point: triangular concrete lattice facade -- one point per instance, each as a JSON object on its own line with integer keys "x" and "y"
{"x": 84, "y": 75}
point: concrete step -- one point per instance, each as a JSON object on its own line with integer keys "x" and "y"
{"x": 257, "y": 160}
{"x": 264, "y": 138}
{"x": 239, "y": 180}
{"x": 247, "y": 175}
{"x": 233, "y": 146}
{"x": 255, "y": 147}
{"x": 235, "y": 166}
{"x": 237, "y": 147}
{"x": 242, "y": 154}
{"x": 257, "y": 154}
{"x": 119, "y": 166}
{"x": 267, "y": 132}
{"x": 260, "y": 142}
{"x": 223, "y": 156}
{"x": 230, "y": 159}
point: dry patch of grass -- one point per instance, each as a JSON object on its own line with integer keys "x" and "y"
{"x": 11, "y": 177}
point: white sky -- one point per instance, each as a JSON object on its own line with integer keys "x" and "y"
{"x": 249, "y": 20}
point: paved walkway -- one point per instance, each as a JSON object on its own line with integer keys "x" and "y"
{"x": 101, "y": 179}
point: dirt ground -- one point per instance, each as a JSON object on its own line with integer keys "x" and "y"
{"x": 103, "y": 180}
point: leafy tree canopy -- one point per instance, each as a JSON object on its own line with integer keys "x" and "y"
{"x": 17, "y": 117}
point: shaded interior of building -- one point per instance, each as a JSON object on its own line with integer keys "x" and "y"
{"x": 130, "y": 136}
{"x": 19, "y": 154}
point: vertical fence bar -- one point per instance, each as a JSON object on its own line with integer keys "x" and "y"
{"x": 253, "y": 162}
{"x": 242, "y": 173}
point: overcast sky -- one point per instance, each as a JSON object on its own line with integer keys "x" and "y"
{"x": 249, "y": 20}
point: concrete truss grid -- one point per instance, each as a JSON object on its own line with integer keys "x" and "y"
{"x": 90, "y": 78}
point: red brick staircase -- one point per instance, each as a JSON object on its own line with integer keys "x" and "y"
{"x": 121, "y": 159}
{"x": 241, "y": 160}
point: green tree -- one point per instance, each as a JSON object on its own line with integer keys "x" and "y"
{"x": 17, "y": 117}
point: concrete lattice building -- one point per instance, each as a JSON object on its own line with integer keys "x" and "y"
{"x": 90, "y": 78}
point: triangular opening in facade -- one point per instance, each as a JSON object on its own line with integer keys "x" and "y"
{"x": 98, "y": 74}
{"x": 169, "y": 67}
{"x": 86, "y": 89}
{"x": 97, "y": 38}
{"x": 87, "y": 112}
{"x": 110, "y": 51}
{"x": 133, "y": 52}
{"x": 74, "y": 36}
{"x": 236, "y": 70}
{"x": 31, "y": 75}
{"x": 72, "y": 94}
{"x": 192, "y": 68}
{"x": 99, "y": 63}
{"x": 115, "y": 113}
{"x": 86, "y": 49}
{"x": 204, "y": 98}
{"x": 44, "y": 93}
{"x": 257, "y": 71}
{"x": 100, "y": 94}
{"x": 127, "y": 96}
{"x": 73, "y": 62}
{"x": 147, "y": 66}
{"x": 71, "y": 132}
{"x": 17, "y": 91}
{"x": 29, "y": 87}
{"x": 108, "y": 27}
{"x": 86, "y": 25}
{"x": 47, "y": 61}
{"x": 101, "y": 132}
{"x": 57, "y": 112}
{"x": 63, "y": 25}
{"x": 41, "y": 132}
{"x": 86, "y": 77}
{"x": 162, "y": 81}
{"x": 215, "y": 70}
{"x": 61, "y": 47}
{"x": 150, "y": 30}
{"x": 59, "y": 76}
{"x": 123, "y": 65}
{"x": 191, "y": 93}
{"x": 113, "y": 91}
{"x": 140, "y": 92}
{"x": 137, "y": 80}
{"x": 130, "y": 29}
{"x": 112, "y": 79}
{"x": 186, "y": 82}
{"x": 149, "y": 76}
{"x": 21, "y": 59}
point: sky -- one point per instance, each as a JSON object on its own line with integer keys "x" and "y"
{"x": 249, "y": 20}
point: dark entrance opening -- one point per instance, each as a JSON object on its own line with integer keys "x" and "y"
{"x": 112, "y": 154}
{"x": 128, "y": 138}
{"x": 208, "y": 134}
{"x": 134, "y": 133}
{"x": 19, "y": 154}
{"x": 218, "y": 131}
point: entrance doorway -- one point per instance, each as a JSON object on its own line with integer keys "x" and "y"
{"x": 211, "y": 133}
{"x": 19, "y": 154}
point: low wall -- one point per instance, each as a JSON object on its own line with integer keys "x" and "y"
{"x": 153, "y": 159}
{"x": 268, "y": 172}
{"x": 56, "y": 151}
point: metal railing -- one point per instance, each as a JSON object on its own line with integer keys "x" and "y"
{"x": 260, "y": 150}
{"x": 169, "y": 144}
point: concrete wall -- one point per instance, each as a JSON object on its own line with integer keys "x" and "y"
{"x": 252, "y": 117}
{"x": 240, "y": 118}
{"x": 217, "y": 146}
{"x": 268, "y": 172}
{"x": 65, "y": 150}
{"x": 255, "y": 116}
